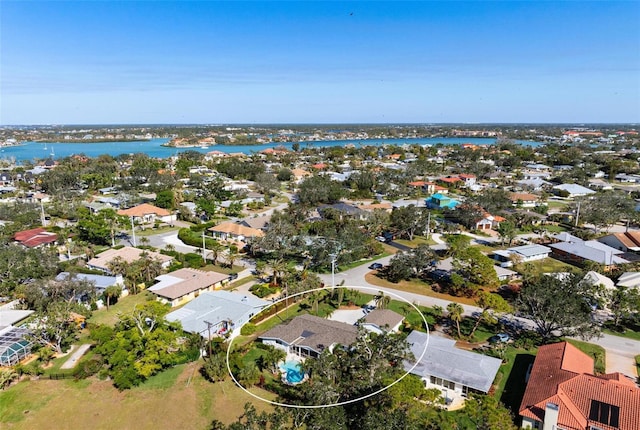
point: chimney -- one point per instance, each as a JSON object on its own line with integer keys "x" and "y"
{"x": 550, "y": 417}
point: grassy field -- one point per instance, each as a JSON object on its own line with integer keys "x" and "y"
{"x": 151, "y": 231}
{"x": 417, "y": 287}
{"x": 594, "y": 351}
{"x": 176, "y": 398}
{"x": 124, "y": 305}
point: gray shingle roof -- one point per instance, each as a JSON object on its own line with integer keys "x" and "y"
{"x": 443, "y": 360}
{"x": 383, "y": 317}
{"x": 313, "y": 332}
{"x": 530, "y": 250}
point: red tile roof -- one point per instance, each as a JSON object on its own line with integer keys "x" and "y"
{"x": 466, "y": 176}
{"x": 451, "y": 180}
{"x": 35, "y": 237}
{"x": 562, "y": 374}
{"x": 144, "y": 209}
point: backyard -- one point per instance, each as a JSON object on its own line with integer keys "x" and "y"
{"x": 176, "y": 398}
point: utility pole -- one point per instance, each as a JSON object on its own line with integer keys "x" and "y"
{"x": 42, "y": 218}
{"x": 133, "y": 232}
{"x": 428, "y": 224}
{"x": 204, "y": 255}
{"x": 577, "y": 213}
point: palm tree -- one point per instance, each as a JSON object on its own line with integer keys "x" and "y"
{"x": 232, "y": 255}
{"x": 455, "y": 314}
{"x": 382, "y": 301}
{"x": 216, "y": 248}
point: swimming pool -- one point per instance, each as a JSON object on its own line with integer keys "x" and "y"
{"x": 292, "y": 372}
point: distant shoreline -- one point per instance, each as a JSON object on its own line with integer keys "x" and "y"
{"x": 89, "y": 141}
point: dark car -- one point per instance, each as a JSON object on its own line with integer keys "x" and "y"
{"x": 233, "y": 276}
{"x": 376, "y": 266}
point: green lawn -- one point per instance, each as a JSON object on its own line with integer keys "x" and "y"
{"x": 638, "y": 365}
{"x": 163, "y": 380}
{"x": 510, "y": 380}
{"x": 124, "y": 305}
{"x": 629, "y": 334}
{"x": 554, "y": 228}
{"x": 151, "y": 231}
{"x": 222, "y": 269}
{"x": 548, "y": 265}
{"x": 240, "y": 282}
{"x": 417, "y": 240}
{"x": 594, "y": 351}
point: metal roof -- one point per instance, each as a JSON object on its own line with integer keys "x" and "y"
{"x": 443, "y": 360}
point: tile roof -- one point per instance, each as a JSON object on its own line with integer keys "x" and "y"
{"x": 129, "y": 254}
{"x": 186, "y": 281}
{"x": 230, "y": 227}
{"x": 562, "y": 374}
{"x": 313, "y": 332}
{"x": 525, "y": 197}
{"x": 144, "y": 209}
{"x": 35, "y": 237}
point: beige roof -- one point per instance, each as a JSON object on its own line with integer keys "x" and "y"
{"x": 383, "y": 317}
{"x": 144, "y": 209}
{"x": 188, "y": 281}
{"x": 236, "y": 229}
{"x": 313, "y": 332}
{"x": 128, "y": 254}
{"x": 298, "y": 173}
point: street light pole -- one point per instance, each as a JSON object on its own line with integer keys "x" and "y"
{"x": 204, "y": 255}
{"x": 133, "y": 232}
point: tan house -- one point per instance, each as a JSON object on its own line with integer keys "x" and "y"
{"x": 128, "y": 254}
{"x": 184, "y": 285}
{"x": 237, "y": 232}
{"x": 148, "y": 214}
{"x": 525, "y": 200}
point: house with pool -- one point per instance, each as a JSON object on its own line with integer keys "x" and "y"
{"x": 308, "y": 335}
{"x": 455, "y": 372}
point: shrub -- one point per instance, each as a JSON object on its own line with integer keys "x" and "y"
{"x": 89, "y": 367}
{"x": 248, "y": 329}
{"x": 263, "y": 290}
{"x": 193, "y": 260}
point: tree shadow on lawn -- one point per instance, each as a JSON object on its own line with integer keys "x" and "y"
{"x": 514, "y": 388}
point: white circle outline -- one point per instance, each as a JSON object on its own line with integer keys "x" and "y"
{"x": 346, "y": 402}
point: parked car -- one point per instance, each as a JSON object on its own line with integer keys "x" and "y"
{"x": 376, "y": 266}
{"x": 381, "y": 239}
{"x": 500, "y": 337}
{"x": 233, "y": 276}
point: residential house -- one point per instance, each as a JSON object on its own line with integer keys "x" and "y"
{"x": 424, "y": 186}
{"x": 308, "y": 335}
{"x": 128, "y": 254}
{"x": 522, "y": 254}
{"x": 14, "y": 341}
{"x": 232, "y": 231}
{"x": 450, "y": 181}
{"x": 345, "y": 210}
{"x": 217, "y": 313}
{"x": 563, "y": 393}
{"x": 629, "y": 280}
{"x": 468, "y": 179}
{"x": 599, "y": 184}
{"x": 488, "y": 222}
{"x": 100, "y": 282}
{"x": 535, "y": 184}
{"x": 575, "y": 250}
{"x": 35, "y": 237}
{"x": 454, "y": 371}
{"x": 382, "y": 321}
{"x": 184, "y": 285}
{"x": 524, "y": 200}
{"x": 440, "y": 201}
{"x": 300, "y": 174}
{"x": 148, "y": 214}
{"x": 628, "y": 241}
{"x": 258, "y": 222}
{"x": 572, "y": 190}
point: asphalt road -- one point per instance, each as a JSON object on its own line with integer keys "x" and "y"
{"x": 620, "y": 351}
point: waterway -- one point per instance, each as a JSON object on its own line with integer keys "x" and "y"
{"x": 30, "y": 151}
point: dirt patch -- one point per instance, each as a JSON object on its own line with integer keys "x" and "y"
{"x": 349, "y": 308}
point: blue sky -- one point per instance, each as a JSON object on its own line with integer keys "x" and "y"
{"x": 312, "y": 62}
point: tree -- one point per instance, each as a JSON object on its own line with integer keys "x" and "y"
{"x": 605, "y": 209}
{"x": 456, "y": 243}
{"x": 249, "y": 374}
{"x": 112, "y": 292}
{"x": 476, "y": 269}
{"x": 487, "y": 413}
{"x": 319, "y": 189}
{"x": 489, "y": 303}
{"x": 271, "y": 358}
{"x": 382, "y": 300}
{"x": 623, "y": 303}
{"x": 54, "y": 328}
{"x": 408, "y": 220}
{"x": 166, "y": 199}
{"x": 214, "y": 368}
{"x": 455, "y": 312}
{"x": 558, "y": 306}
{"x": 507, "y": 231}
{"x": 267, "y": 183}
